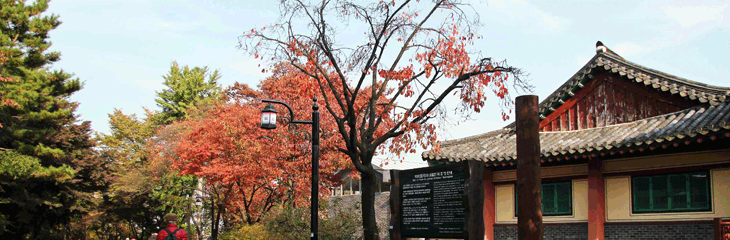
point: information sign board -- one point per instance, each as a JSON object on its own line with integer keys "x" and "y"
{"x": 433, "y": 202}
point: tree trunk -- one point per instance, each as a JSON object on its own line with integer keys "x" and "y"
{"x": 370, "y": 226}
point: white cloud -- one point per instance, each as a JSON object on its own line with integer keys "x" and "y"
{"x": 551, "y": 22}
{"x": 682, "y": 23}
{"x": 691, "y": 16}
{"x": 521, "y": 9}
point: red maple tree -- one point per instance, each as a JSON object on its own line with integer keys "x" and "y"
{"x": 413, "y": 55}
{"x": 252, "y": 168}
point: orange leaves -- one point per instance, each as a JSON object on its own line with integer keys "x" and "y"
{"x": 440, "y": 49}
{"x": 415, "y": 136}
{"x": 401, "y": 75}
{"x": 225, "y": 145}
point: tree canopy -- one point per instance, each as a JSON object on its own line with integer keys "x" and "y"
{"x": 261, "y": 169}
{"x": 186, "y": 90}
{"x": 40, "y": 133}
{"x": 145, "y": 185}
{"x": 412, "y": 56}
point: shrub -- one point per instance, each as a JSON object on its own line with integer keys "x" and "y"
{"x": 247, "y": 232}
{"x": 336, "y": 222}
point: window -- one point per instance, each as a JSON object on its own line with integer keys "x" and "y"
{"x": 557, "y": 199}
{"x": 671, "y": 193}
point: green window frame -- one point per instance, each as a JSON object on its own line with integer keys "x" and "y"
{"x": 679, "y": 192}
{"x": 557, "y": 198}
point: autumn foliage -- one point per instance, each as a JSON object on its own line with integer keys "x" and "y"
{"x": 259, "y": 168}
{"x": 395, "y": 76}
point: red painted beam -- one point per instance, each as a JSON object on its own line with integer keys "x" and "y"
{"x": 596, "y": 199}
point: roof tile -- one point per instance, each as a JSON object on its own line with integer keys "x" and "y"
{"x": 499, "y": 145}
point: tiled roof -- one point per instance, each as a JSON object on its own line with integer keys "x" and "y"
{"x": 498, "y": 146}
{"x": 660, "y": 81}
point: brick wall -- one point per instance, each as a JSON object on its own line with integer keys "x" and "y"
{"x": 669, "y": 231}
{"x": 550, "y": 232}
{"x": 702, "y": 231}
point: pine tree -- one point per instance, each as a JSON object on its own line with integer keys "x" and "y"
{"x": 38, "y": 129}
{"x": 187, "y": 89}
{"x": 146, "y": 186}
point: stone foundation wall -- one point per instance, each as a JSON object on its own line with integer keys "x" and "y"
{"x": 382, "y": 210}
{"x": 550, "y": 232}
{"x": 660, "y": 231}
{"x": 695, "y": 231}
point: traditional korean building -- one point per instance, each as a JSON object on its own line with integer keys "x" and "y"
{"x": 627, "y": 152}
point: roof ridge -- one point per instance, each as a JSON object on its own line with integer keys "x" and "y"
{"x": 568, "y": 82}
{"x": 660, "y": 81}
{"x": 667, "y": 75}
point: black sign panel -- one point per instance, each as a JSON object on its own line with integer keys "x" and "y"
{"x": 433, "y": 202}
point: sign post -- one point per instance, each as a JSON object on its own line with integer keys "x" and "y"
{"x": 475, "y": 196}
{"x": 395, "y": 210}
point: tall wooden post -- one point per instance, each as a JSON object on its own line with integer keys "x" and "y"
{"x": 475, "y": 193}
{"x": 395, "y": 195}
{"x": 596, "y": 199}
{"x": 529, "y": 217}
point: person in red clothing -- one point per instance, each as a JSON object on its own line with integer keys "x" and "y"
{"x": 172, "y": 228}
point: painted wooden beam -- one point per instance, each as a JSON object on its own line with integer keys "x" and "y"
{"x": 596, "y": 199}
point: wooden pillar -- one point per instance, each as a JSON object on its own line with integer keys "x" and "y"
{"x": 722, "y": 229}
{"x": 395, "y": 195}
{"x": 596, "y": 199}
{"x": 489, "y": 204}
{"x": 717, "y": 223}
{"x": 529, "y": 216}
{"x": 475, "y": 194}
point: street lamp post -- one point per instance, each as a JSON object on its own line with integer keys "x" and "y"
{"x": 268, "y": 121}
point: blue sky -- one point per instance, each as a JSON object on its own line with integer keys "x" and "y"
{"x": 121, "y": 49}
